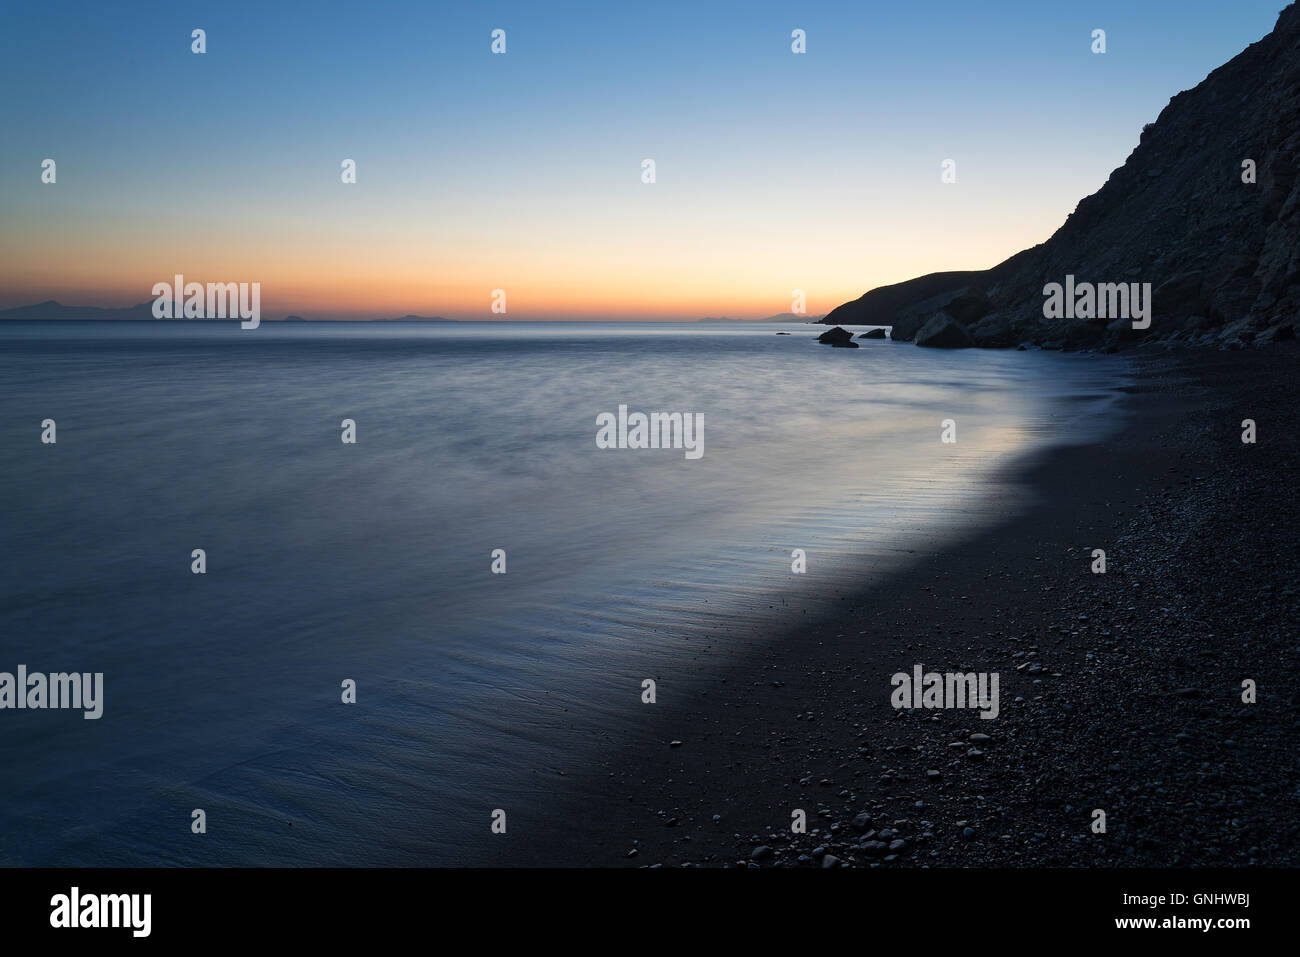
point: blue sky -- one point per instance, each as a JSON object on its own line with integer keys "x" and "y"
{"x": 774, "y": 170}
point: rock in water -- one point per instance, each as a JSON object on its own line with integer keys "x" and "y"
{"x": 873, "y": 334}
{"x": 838, "y": 337}
{"x": 942, "y": 333}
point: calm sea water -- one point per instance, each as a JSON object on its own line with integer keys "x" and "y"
{"x": 372, "y": 561}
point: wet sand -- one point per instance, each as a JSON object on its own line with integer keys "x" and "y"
{"x": 1119, "y": 691}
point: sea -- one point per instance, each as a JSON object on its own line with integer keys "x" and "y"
{"x": 394, "y": 637}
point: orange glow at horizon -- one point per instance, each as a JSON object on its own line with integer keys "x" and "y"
{"x": 627, "y": 275}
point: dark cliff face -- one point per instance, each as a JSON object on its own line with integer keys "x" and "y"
{"x": 1222, "y": 256}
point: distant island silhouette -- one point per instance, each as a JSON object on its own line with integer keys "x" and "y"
{"x": 52, "y": 310}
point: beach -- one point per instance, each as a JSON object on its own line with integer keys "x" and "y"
{"x": 1120, "y": 692}
{"x": 854, "y": 437}
{"x": 679, "y": 658}
{"x": 427, "y": 512}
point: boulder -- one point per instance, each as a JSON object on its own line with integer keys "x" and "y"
{"x": 969, "y": 307}
{"x": 873, "y": 334}
{"x": 941, "y": 332}
{"x": 838, "y": 337}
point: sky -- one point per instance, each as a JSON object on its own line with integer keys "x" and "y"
{"x": 522, "y": 171}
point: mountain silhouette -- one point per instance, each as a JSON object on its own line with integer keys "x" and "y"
{"x": 1221, "y": 253}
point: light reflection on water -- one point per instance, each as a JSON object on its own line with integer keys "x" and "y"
{"x": 371, "y": 562}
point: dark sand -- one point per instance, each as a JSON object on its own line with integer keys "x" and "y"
{"x": 1137, "y": 709}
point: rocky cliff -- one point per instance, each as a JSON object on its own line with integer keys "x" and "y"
{"x": 1219, "y": 247}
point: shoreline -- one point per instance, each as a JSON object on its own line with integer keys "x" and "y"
{"x": 1119, "y": 691}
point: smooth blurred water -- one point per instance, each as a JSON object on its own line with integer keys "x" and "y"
{"x": 372, "y": 561}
